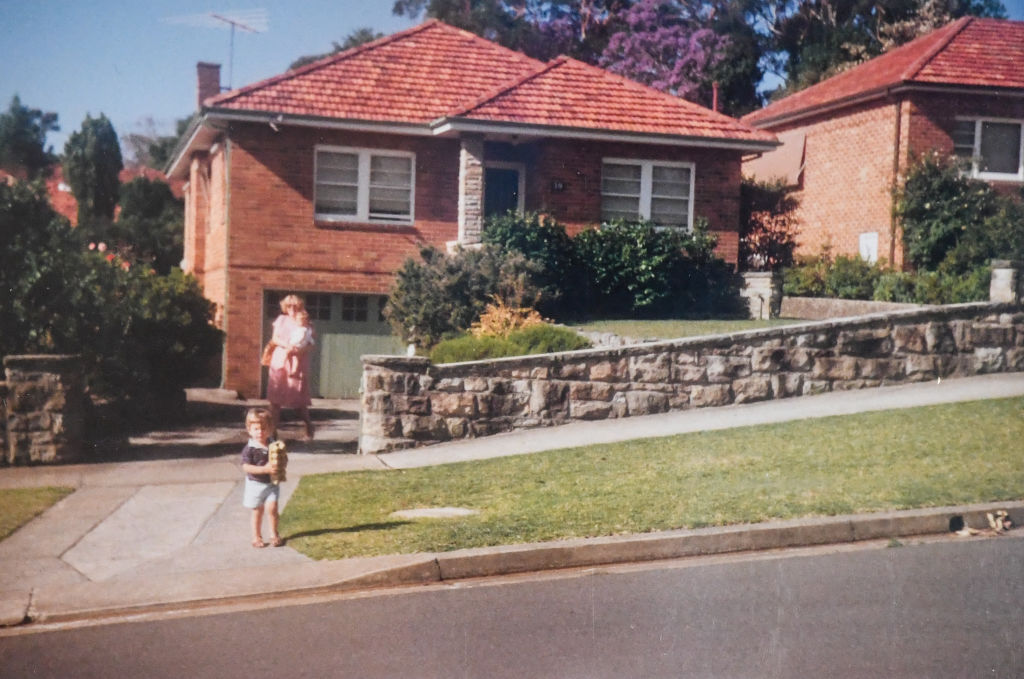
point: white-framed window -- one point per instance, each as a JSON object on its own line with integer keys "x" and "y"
{"x": 364, "y": 185}
{"x": 994, "y": 147}
{"x": 660, "y": 191}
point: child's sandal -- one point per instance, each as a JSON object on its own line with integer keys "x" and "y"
{"x": 278, "y": 542}
{"x": 258, "y": 543}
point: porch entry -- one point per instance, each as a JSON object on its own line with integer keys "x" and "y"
{"x": 346, "y": 326}
{"x": 503, "y": 188}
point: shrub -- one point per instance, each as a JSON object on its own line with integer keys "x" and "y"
{"x": 949, "y": 216}
{"x": 140, "y": 334}
{"x": 499, "y": 319}
{"x": 851, "y": 278}
{"x": 543, "y": 241}
{"x": 767, "y": 226}
{"x": 806, "y": 278}
{"x": 637, "y": 269}
{"x": 441, "y": 295}
{"x": 536, "y": 339}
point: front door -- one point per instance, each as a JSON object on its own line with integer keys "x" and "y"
{"x": 502, "y": 190}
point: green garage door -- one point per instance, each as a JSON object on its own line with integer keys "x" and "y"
{"x": 347, "y": 327}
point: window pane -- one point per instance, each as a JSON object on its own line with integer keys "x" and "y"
{"x": 620, "y": 179}
{"x": 670, "y": 211}
{"x": 390, "y": 186}
{"x": 353, "y": 308}
{"x": 390, "y": 171}
{"x": 336, "y": 200}
{"x": 619, "y": 207}
{"x": 963, "y": 138}
{"x": 1000, "y": 147}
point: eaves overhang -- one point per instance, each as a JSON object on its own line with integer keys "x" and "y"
{"x": 211, "y": 122}
{"x": 450, "y": 126}
{"x": 880, "y": 93}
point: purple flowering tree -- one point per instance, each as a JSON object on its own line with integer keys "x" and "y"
{"x": 662, "y": 45}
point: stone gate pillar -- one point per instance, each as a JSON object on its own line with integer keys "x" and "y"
{"x": 46, "y": 409}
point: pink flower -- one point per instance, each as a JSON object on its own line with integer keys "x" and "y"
{"x": 102, "y": 247}
{"x": 126, "y": 265}
{"x": 92, "y": 246}
{"x": 110, "y": 257}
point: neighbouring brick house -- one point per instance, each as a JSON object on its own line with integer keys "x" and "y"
{"x": 324, "y": 179}
{"x": 847, "y": 140}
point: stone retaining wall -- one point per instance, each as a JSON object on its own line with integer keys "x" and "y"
{"x": 821, "y": 308}
{"x": 44, "y": 409}
{"x": 409, "y": 402}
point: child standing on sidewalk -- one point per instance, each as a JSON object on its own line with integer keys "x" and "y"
{"x": 259, "y": 491}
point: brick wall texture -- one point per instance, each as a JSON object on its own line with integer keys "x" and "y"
{"x": 250, "y": 222}
{"x": 849, "y": 175}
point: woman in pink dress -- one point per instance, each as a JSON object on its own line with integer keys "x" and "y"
{"x": 288, "y": 382}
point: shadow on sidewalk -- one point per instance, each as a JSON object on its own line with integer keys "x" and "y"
{"x": 212, "y": 428}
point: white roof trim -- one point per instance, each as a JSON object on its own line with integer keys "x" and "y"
{"x": 446, "y": 125}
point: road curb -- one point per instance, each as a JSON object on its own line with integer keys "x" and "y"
{"x": 99, "y": 600}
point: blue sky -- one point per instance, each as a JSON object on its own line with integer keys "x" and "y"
{"x": 123, "y": 58}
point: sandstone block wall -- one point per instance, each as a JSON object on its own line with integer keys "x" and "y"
{"x": 410, "y": 402}
{"x": 45, "y": 409}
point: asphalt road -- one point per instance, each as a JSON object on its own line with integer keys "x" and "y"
{"x": 945, "y": 608}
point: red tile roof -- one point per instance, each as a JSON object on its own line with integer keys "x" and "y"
{"x": 435, "y": 72}
{"x": 969, "y": 52}
{"x": 571, "y": 94}
{"x": 415, "y": 76}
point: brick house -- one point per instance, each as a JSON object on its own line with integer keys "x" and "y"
{"x": 324, "y": 179}
{"x": 847, "y": 140}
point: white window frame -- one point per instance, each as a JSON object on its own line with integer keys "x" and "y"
{"x": 1018, "y": 176}
{"x": 363, "y": 214}
{"x": 647, "y": 184}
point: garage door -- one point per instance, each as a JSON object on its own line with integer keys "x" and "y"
{"x": 347, "y": 326}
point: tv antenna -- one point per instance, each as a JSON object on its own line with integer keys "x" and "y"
{"x": 249, "y": 20}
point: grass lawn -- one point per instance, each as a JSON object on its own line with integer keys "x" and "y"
{"x": 674, "y": 329}
{"x": 18, "y": 506}
{"x": 932, "y": 456}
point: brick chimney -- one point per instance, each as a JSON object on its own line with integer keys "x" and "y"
{"x": 208, "y": 80}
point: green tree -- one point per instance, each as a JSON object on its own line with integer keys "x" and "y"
{"x": 151, "y": 149}
{"x": 358, "y": 37}
{"x": 811, "y": 40}
{"x": 23, "y": 133}
{"x": 150, "y": 225}
{"x": 92, "y": 163}
{"x": 139, "y": 333}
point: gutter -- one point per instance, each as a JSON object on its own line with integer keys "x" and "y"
{"x": 443, "y": 126}
{"x": 880, "y": 93}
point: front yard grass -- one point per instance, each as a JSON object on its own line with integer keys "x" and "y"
{"x": 18, "y": 506}
{"x": 675, "y": 329}
{"x": 921, "y": 457}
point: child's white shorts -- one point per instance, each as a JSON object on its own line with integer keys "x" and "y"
{"x": 256, "y": 493}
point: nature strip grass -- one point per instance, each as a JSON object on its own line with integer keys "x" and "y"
{"x": 674, "y": 329}
{"x": 18, "y": 506}
{"x": 921, "y": 457}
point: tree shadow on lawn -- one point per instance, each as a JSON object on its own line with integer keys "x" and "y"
{"x": 389, "y": 525}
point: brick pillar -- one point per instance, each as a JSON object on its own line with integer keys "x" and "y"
{"x": 208, "y": 81}
{"x": 471, "y": 190}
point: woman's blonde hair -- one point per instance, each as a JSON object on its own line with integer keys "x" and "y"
{"x": 292, "y": 300}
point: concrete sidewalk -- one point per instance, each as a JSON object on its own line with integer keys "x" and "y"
{"x": 167, "y": 529}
